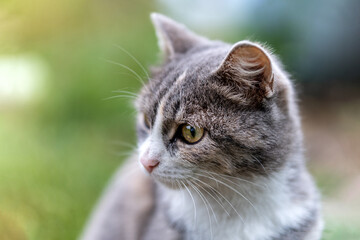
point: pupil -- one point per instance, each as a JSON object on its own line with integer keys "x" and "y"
{"x": 192, "y": 131}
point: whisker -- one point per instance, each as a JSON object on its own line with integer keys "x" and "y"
{"x": 252, "y": 156}
{"x": 192, "y": 198}
{"x": 128, "y": 74}
{"x": 126, "y": 92}
{"x": 198, "y": 185}
{"x": 236, "y": 191}
{"x": 119, "y": 96}
{"x": 127, "y": 68}
{"x": 130, "y": 55}
{"x": 232, "y": 206}
{"x": 121, "y": 143}
{"x": 207, "y": 209}
{"x": 182, "y": 193}
{"x": 227, "y": 178}
{"x": 122, "y": 154}
{"x": 214, "y": 191}
{"x": 223, "y": 176}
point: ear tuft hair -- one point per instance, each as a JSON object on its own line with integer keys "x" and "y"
{"x": 249, "y": 65}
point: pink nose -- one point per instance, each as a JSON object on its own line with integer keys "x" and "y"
{"x": 149, "y": 163}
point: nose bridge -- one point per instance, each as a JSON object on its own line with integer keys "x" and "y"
{"x": 156, "y": 145}
{"x": 151, "y": 152}
{"x": 155, "y": 148}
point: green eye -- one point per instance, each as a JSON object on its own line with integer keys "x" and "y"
{"x": 192, "y": 134}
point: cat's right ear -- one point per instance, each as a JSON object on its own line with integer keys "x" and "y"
{"x": 249, "y": 66}
{"x": 174, "y": 37}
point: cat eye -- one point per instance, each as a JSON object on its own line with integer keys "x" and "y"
{"x": 191, "y": 134}
{"x": 147, "y": 122}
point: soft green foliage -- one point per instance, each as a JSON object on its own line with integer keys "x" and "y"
{"x": 50, "y": 178}
{"x": 57, "y": 153}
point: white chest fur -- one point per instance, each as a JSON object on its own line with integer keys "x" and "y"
{"x": 244, "y": 211}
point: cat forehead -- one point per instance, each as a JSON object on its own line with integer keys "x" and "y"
{"x": 192, "y": 68}
{"x": 200, "y": 60}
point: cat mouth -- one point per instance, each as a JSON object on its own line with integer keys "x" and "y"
{"x": 170, "y": 180}
{"x": 184, "y": 179}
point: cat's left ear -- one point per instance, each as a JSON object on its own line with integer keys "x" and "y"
{"x": 250, "y": 66}
{"x": 174, "y": 37}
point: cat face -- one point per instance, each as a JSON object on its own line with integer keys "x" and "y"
{"x": 213, "y": 108}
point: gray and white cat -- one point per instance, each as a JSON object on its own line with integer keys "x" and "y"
{"x": 220, "y": 139}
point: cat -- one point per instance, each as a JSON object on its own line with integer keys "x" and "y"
{"x": 220, "y": 141}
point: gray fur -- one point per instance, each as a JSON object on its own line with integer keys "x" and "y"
{"x": 244, "y": 100}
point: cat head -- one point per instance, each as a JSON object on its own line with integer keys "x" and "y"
{"x": 214, "y": 108}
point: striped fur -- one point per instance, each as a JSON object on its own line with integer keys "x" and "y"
{"x": 245, "y": 179}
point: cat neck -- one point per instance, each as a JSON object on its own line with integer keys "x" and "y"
{"x": 249, "y": 209}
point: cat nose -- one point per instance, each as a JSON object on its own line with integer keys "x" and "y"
{"x": 149, "y": 163}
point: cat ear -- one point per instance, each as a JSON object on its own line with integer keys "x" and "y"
{"x": 250, "y": 66}
{"x": 173, "y": 37}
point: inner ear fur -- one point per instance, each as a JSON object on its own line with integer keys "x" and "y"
{"x": 250, "y": 67}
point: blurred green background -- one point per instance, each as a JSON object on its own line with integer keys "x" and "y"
{"x": 61, "y": 139}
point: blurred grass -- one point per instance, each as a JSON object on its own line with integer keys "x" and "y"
{"x": 50, "y": 178}
{"x": 57, "y": 153}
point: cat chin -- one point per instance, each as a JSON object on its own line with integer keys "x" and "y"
{"x": 168, "y": 182}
